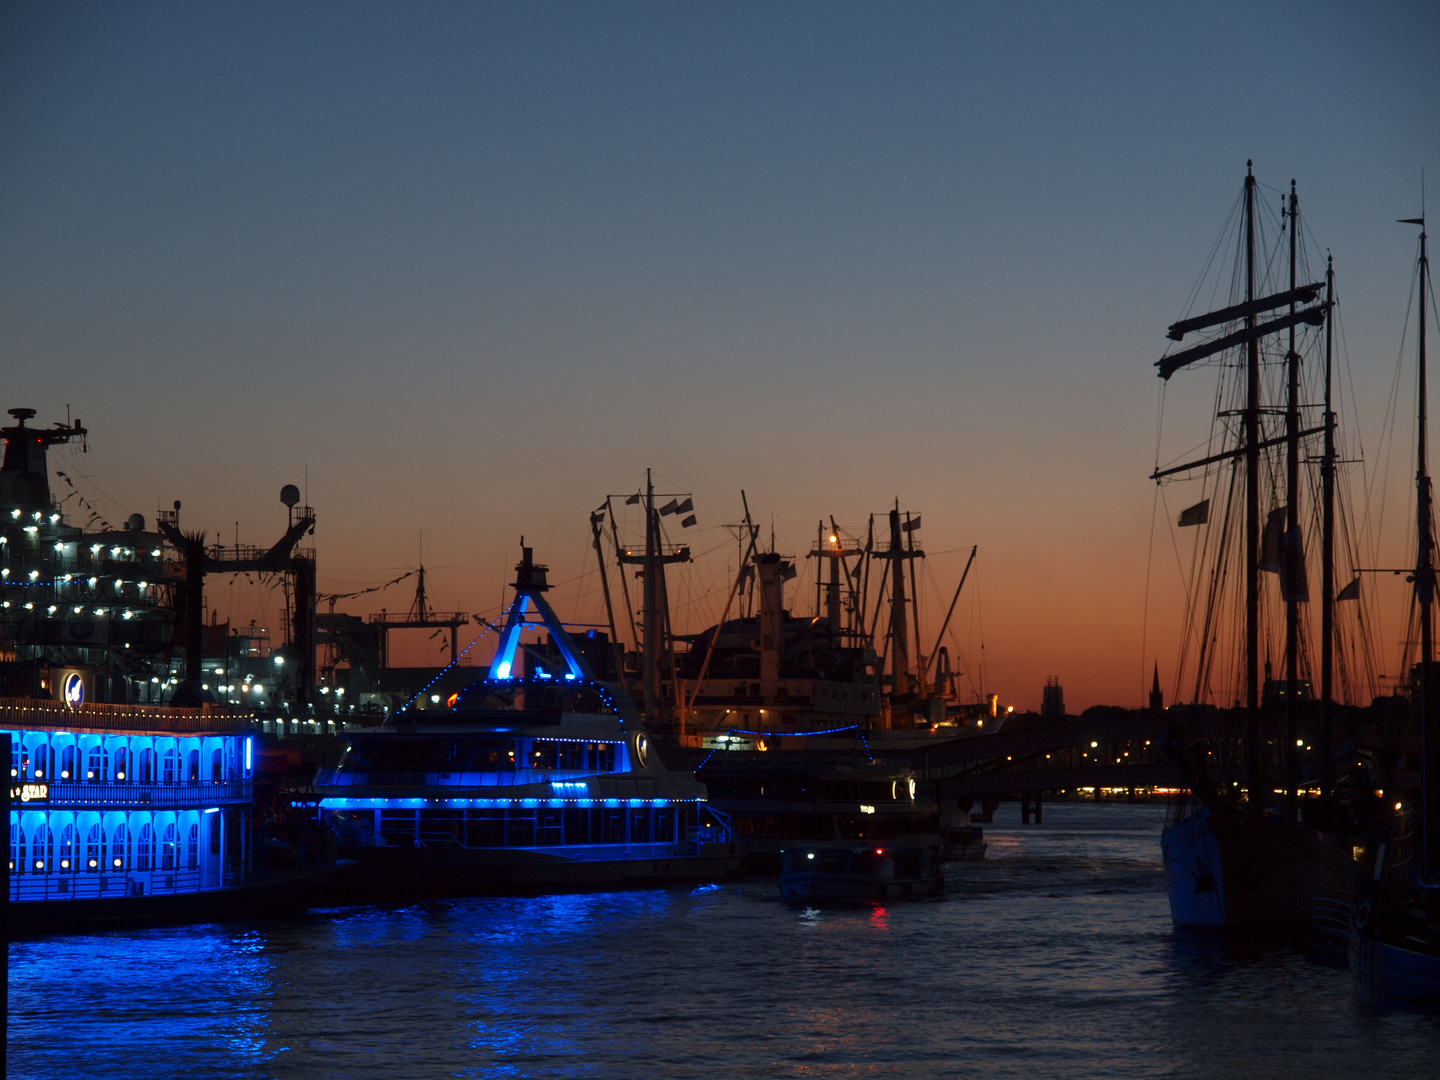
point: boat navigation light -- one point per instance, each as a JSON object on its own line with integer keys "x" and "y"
{"x": 34, "y": 575}
{"x": 435, "y": 699}
{"x": 809, "y": 855}
{"x": 879, "y": 851}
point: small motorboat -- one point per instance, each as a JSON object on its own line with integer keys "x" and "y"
{"x": 839, "y": 875}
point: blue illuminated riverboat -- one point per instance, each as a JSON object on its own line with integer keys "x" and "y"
{"x": 538, "y": 778}
{"x": 129, "y": 813}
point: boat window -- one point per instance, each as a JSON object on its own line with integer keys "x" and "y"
{"x": 217, "y": 764}
{"x": 145, "y": 767}
{"x": 15, "y": 753}
{"x": 117, "y": 761}
{"x": 170, "y": 766}
{"x": 612, "y": 827}
{"x": 66, "y": 849}
{"x": 397, "y": 827}
{"x": 639, "y": 825}
{"x": 485, "y": 828}
{"x": 548, "y": 822}
{"x": 520, "y": 828}
{"x": 577, "y": 826}
{"x": 214, "y": 833}
{"x": 664, "y": 825}
{"x": 67, "y": 763}
{"x": 168, "y": 846}
{"x": 94, "y": 853}
{"x": 442, "y": 827}
{"x": 17, "y": 848}
{"x": 38, "y": 855}
{"x": 192, "y": 766}
{"x": 95, "y": 765}
{"x": 142, "y": 848}
{"x": 192, "y": 847}
{"x": 119, "y": 844}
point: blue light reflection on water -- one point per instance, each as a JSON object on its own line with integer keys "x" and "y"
{"x": 1054, "y": 958}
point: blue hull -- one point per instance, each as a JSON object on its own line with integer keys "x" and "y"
{"x": 1193, "y": 875}
{"x": 1387, "y": 972}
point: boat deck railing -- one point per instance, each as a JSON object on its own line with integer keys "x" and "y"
{"x": 62, "y": 886}
{"x": 31, "y": 713}
{"x": 186, "y": 795}
{"x": 1331, "y": 918}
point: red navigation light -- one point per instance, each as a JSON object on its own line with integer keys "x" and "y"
{"x": 879, "y": 851}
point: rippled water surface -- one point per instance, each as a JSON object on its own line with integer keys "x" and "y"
{"x": 1053, "y": 958}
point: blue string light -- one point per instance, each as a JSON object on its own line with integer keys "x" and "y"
{"x": 441, "y": 674}
{"x": 787, "y": 734}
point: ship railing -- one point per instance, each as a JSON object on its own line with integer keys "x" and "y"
{"x": 712, "y": 826}
{"x": 184, "y": 795}
{"x": 67, "y": 886}
{"x": 1331, "y": 918}
{"x": 33, "y": 713}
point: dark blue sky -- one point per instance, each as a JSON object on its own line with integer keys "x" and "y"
{"x": 477, "y": 266}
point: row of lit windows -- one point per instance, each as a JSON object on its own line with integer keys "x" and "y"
{"x": 41, "y": 850}
{"x": 120, "y": 763}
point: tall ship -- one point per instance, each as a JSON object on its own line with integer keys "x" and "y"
{"x": 1394, "y": 928}
{"x": 1260, "y": 857}
{"x": 537, "y": 777}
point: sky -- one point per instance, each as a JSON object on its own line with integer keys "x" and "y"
{"x": 462, "y": 270}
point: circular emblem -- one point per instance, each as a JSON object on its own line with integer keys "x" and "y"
{"x": 74, "y": 689}
{"x": 642, "y": 744}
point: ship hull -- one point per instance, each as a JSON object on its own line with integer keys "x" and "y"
{"x": 1237, "y": 871}
{"x": 386, "y": 874}
{"x": 1387, "y": 972}
{"x": 274, "y": 895}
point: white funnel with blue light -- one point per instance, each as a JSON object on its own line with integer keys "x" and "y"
{"x": 530, "y": 586}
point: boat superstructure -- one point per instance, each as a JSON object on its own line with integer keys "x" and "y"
{"x": 538, "y": 777}
{"x": 131, "y": 812}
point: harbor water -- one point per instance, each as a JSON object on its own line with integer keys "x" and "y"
{"x": 1053, "y": 958}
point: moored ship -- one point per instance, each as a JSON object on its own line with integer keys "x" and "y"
{"x": 537, "y": 778}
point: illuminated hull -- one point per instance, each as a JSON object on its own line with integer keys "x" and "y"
{"x": 1232, "y": 870}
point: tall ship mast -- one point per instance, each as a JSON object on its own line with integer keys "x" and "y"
{"x": 1245, "y": 859}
